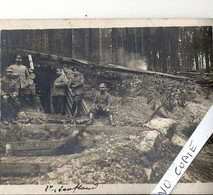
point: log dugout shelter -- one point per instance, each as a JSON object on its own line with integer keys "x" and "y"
{"x": 161, "y": 49}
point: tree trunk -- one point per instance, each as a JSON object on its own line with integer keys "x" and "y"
{"x": 73, "y": 44}
{"x": 100, "y": 45}
{"x": 207, "y": 61}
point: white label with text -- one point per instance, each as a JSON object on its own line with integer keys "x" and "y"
{"x": 186, "y": 155}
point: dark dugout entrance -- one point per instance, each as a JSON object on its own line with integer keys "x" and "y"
{"x": 45, "y": 77}
{"x": 45, "y": 71}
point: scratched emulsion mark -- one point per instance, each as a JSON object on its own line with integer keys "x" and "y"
{"x": 186, "y": 155}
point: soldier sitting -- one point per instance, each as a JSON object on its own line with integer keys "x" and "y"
{"x": 10, "y": 103}
{"x": 181, "y": 98}
{"x": 101, "y": 105}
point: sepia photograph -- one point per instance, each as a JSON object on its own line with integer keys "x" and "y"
{"x": 92, "y": 106}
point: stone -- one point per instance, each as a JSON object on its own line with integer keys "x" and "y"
{"x": 132, "y": 137}
{"x": 85, "y": 134}
{"x": 96, "y": 176}
{"x": 85, "y": 141}
{"x": 148, "y": 173}
{"x": 148, "y": 141}
{"x": 74, "y": 133}
{"x": 177, "y": 140}
{"x": 166, "y": 126}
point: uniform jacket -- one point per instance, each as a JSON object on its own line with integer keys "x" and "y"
{"x": 8, "y": 86}
{"x": 59, "y": 86}
{"x": 69, "y": 74}
{"x": 76, "y": 84}
{"x": 103, "y": 100}
{"x": 23, "y": 73}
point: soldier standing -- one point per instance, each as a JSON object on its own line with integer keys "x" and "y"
{"x": 68, "y": 72}
{"x": 22, "y": 80}
{"x": 101, "y": 105}
{"x": 59, "y": 92}
{"x": 10, "y": 103}
{"x": 76, "y": 84}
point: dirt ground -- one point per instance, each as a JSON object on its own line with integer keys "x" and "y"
{"x": 113, "y": 156}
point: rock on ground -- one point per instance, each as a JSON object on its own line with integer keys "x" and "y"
{"x": 149, "y": 139}
{"x": 177, "y": 140}
{"x": 166, "y": 126}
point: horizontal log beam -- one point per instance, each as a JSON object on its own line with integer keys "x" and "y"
{"x": 9, "y": 168}
{"x": 39, "y": 57}
{"x": 36, "y": 148}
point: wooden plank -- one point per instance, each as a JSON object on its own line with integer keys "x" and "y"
{"x": 9, "y": 168}
{"x": 104, "y": 67}
{"x": 134, "y": 70}
{"x": 39, "y": 152}
{"x": 35, "y": 148}
{"x": 31, "y": 62}
{"x": 68, "y": 110}
{"x": 84, "y": 108}
{"x": 35, "y": 145}
{"x": 70, "y": 95}
{"x": 69, "y": 102}
{"x": 69, "y": 105}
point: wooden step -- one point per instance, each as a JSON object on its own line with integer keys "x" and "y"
{"x": 35, "y": 148}
{"x": 10, "y": 169}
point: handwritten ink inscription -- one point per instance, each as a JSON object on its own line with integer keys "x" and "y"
{"x": 51, "y": 188}
{"x": 166, "y": 185}
{"x": 185, "y": 159}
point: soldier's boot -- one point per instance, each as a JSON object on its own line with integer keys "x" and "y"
{"x": 90, "y": 122}
{"x": 111, "y": 120}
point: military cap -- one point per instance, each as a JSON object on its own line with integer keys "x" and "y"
{"x": 19, "y": 56}
{"x": 9, "y": 69}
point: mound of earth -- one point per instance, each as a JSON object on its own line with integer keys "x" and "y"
{"x": 131, "y": 152}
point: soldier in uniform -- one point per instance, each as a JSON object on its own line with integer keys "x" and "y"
{"x": 10, "y": 103}
{"x": 76, "y": 84}
{"x": 181, "y": 97}
{"x": 101, "y": 105}
{"x": 59, "y": 92}
{"x": 22, "y": 80}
